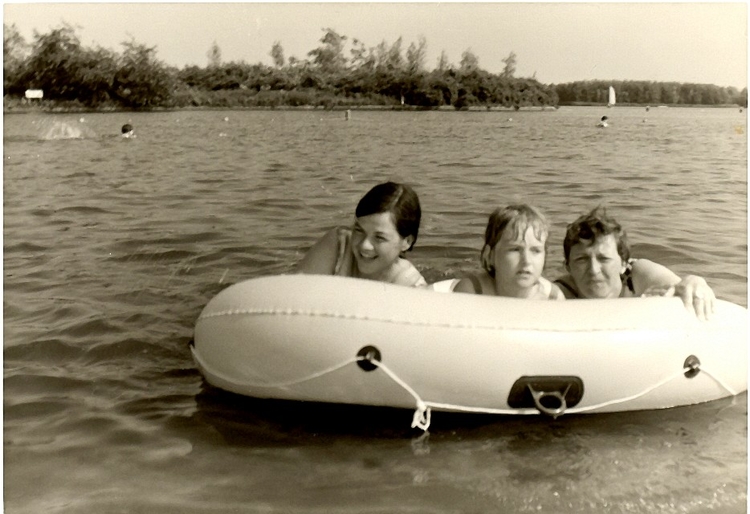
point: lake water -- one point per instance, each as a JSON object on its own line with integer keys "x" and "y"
{"x": 113, "y": 246}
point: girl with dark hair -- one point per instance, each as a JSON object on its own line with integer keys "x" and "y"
{"x": 385, "y": 227}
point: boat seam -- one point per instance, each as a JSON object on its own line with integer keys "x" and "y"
{"x": 360, "y": 317}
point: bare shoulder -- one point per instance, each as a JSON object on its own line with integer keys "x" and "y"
{"x": 465, "y": 285}
{"x": 568, "y": 289}
{"x": 553, "y": 290}
{"x": 408, "y": 275}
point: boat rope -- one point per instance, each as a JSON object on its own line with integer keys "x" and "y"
{"x": 423, "y": 413}
{"x": 720, "y": 382}
{"x": 652, "y": 388}
{"x": 272, "y": 385}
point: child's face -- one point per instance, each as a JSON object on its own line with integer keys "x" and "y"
{"x": 376, "y": 243}
{"x": 519, "y": 261}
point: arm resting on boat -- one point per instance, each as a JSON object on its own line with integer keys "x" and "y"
{"x": 652, "y": 279}
{"x": 321, "y": 258}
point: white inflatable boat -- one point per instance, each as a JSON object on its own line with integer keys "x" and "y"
{"x": 344, "y": 340}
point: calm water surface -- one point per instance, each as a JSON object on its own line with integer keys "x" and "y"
{"x": 113, "y": 246}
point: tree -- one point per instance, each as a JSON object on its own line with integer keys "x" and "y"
{"x": 469, "y": 62}
{"x": 415, "y": 56}
{"x": 443, "y": 64}
{"x": 394, "y": 61}
{"x": 142, "y": 80}
{"x": 442, "y": 86}
{"x": 329, "y": 57}
{"x": 214, "y": 56}
{"x": 54, "y": 62}
{"x": 95, "y": 75}
{"x": 510, "y": 65}
{"x": 380, "y": 53}
{"x": 277, "y": 54}
{"x": 359, "y": 54}
{"x": 65, "y": 70}
{"x": 15, "y": 53}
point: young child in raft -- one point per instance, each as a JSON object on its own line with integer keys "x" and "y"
{"x": 385, "y": 227}
{"x": 515, "y": 248}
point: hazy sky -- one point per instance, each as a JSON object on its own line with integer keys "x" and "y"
{"x": 559, "y": 42}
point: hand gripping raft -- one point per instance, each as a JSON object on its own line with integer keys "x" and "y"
{"x": 345, "y": 340}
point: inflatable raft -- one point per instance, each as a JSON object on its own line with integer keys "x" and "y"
{"x": 345, "y": 340}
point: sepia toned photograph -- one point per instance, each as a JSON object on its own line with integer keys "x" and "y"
{"x": 377, "y": 258}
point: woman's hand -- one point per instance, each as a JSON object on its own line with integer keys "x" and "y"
{"x": 696, "y": 294}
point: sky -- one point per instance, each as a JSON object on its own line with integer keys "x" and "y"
{"x": 554, "y": 42}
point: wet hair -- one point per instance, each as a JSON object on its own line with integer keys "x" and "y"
{"x": 127, "y": 128}
{"x": 604, "y": 118}
{"x": 398, "y": 199}
{"x": 519, "y": 218}
{"x": 589, "y": 227}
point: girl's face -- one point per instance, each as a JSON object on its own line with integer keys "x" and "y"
{"x": 376, "y": 244}
{"x": 518, "y": 261}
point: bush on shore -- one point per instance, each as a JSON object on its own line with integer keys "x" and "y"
{"x": 73, "y": 77}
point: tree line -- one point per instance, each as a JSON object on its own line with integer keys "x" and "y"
{"x": 643, "y": 92}
{"x": 339, "y": 72}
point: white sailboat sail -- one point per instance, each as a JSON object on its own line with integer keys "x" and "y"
{"x": 612, "y": 100}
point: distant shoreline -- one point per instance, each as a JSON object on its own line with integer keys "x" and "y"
{"x": 61, "y": 109}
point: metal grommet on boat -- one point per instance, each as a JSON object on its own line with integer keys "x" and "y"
{"x": 694, "y": 366}
{"x": 366, "y": 355}
{"x": 555, "y": 407}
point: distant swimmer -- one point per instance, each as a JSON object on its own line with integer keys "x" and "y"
{"x": 348, "y": 114}
{"x": 127, "y": 130}
{"x": 603, "y": 122}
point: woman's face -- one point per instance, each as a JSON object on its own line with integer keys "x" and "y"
{"x": 596, "y": 267}
{"x": 376, "y": 243}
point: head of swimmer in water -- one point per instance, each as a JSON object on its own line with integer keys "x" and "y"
{"x": 127, "y": 128}
{"x": 401, "y": 203}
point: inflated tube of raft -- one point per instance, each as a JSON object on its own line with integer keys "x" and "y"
{"x": 345, "y": 340}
